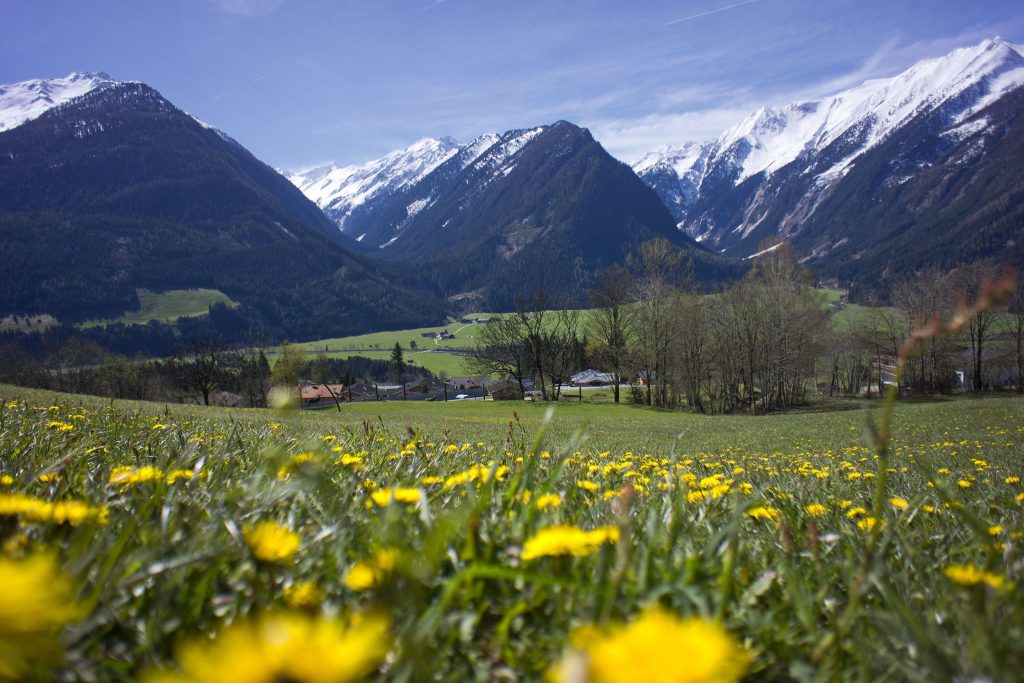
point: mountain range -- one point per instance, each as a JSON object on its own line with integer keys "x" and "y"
{"x": 870, "y": 183}
{"x": 116, "y": 190}
{"x": 490, "y": 221}
{"x": 106, "y": 187}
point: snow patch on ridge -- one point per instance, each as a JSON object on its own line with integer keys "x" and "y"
{"x": 22, "y": 102}
{"x": 339, "y": 190}
{"x": 966, "y": 130}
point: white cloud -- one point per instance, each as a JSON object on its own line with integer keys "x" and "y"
{"x": 630, "y": 139}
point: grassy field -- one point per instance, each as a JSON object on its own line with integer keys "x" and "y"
{"x": 27, "y": 323}
{"x": 167, "y": 307}
{"x": 491, "y": 541}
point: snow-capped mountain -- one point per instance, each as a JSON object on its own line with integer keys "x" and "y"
{"x": 675, "y": 173}
{"x": 534, "y": 208}
{"x": 21, "y": 102}
{"x": 338, "y": 190}
{"x": 774, "y": 171}
{"x": 116, "y": 190}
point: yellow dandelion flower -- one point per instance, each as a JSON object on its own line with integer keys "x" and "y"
{"x": 567, "y": 540}
{"x": 303, "y": 595}
{"x": 815, "y": 510}
{"x": 76, "y": 512}
{"x": 285, "y": 647}
{"x": 6, "y": 480}
{"x": 179, "y": 475}
{"x": 400, "y": 494}
{"x": 296, "y": 462}
{"x": 548, "y": 500}
{"x": 855, "y": 512}
{"x": 1012, "y": 480}
{"x": 27, "y": 507}
{"x": 272, "y": 542}
{"x": 59, "y": 426}
{"x": 371, "y": 572}
{"x": 32, "y": 509}
{"x": 124, "y": 477}
{"x": 36, "y": 601}
{"x": 351, "y": 460}
{"x": 657, "y": 647}
{"x": 431, "y": 481}
{"x": 969, "y": 575}
{"x": 867, "y": 523}
{"x": 964, "y": 484}
{"x": 476, "y": 473}
{"x": 995, "y": 530}
{"x": 49, "y": 477}
{"x": 764, "y": 513}
{"x": 899, "y": 503}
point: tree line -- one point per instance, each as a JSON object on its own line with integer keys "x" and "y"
{"x": 764, "y": 343}
{"x": 199, "y": 371}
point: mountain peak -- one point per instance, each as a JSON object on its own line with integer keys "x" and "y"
{"x": 338, "y": 190}
{"x": 968, "y": 78}
{"x": 782, "y": 171}
{"x": 27, "y": 100}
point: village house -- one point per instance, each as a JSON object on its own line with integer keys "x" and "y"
{"x": 467, "y": 382}
{"x": 312, "y": 395}
{"x": 592, "y": 378}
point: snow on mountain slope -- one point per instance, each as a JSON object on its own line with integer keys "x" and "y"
{"x": 478, "y": 146}
{"x": 339, "y": 190}
{"x": 778, "y": 136}
{"x": 21, "y": 102}
{"x": 770, "y": 138}
{"x": 494, "y": 158}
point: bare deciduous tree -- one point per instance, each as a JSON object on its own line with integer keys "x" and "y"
{"x": 612, "y": 322}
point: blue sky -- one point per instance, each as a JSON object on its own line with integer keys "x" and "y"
{"x": 300, "y": 82}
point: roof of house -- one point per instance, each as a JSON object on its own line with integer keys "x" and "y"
{"x": 316, "y": 391}
{"x": 591, "y": 376}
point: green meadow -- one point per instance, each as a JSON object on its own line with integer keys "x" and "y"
{"x": 167, "y": 307}
{"x": 503, "y": 541}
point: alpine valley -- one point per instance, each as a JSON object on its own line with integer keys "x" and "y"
{"x": 107, "y": 188}
{"x": 506, "y": 214}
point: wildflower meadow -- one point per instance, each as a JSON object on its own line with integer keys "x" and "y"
{"x": 143, "y": 542}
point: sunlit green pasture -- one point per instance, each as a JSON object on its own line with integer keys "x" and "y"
{"x": 167, "y": 307}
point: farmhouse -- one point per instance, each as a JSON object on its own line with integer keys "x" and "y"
{"x": 591, "y": 378}
{"x": 467, "y": 382}
{"x": 315, "y": 394}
